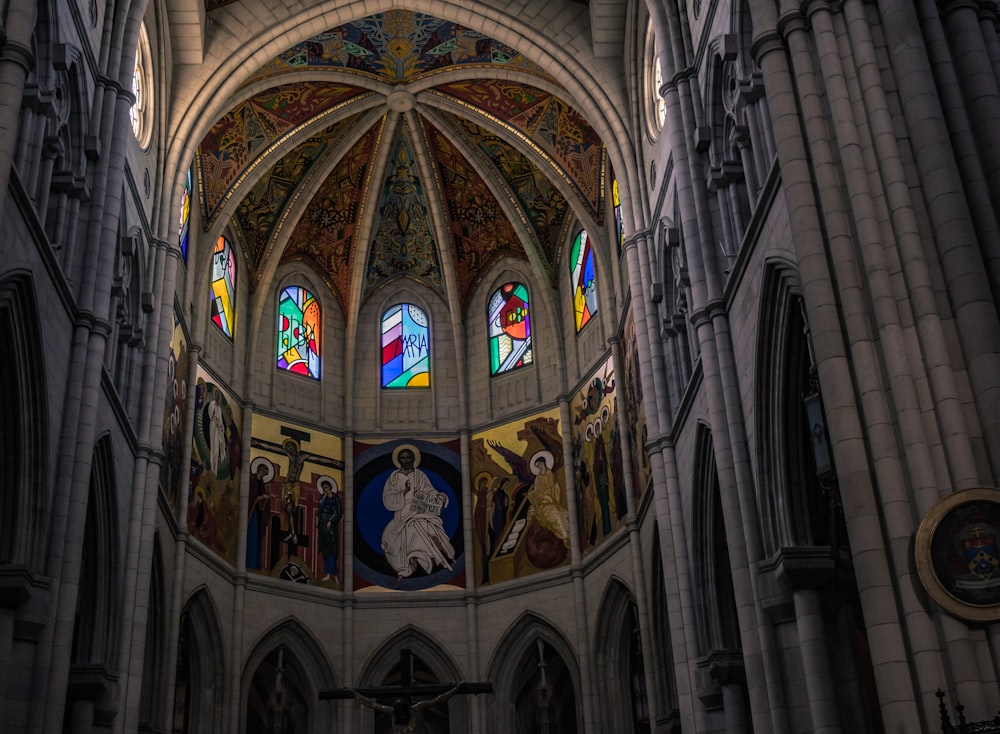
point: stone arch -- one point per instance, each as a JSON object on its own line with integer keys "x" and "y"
{"x": 94, "y": 651}
{"x": 431, "y": 661}
{"x": 803, "y": 529}
{"x": 24, "y": 427}
{"x": 726, "y": 178}
{"x": 618, "y": 661}
{"x": 286, "y": 653}
{"x": 95, "y": 632}
{"x": 152, "y": 703}
{"x": 131, "y": 304}
{"x": 513, "y": 669}
{"x": 200, "y": 692}
{"x": 714, "y": 597}
{"x": 665, "y": 671}
{"x": 793, "y": 510}
{"x": 721, "y": 677}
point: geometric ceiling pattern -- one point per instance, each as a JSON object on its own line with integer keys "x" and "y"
{"x": 402, "y": 145}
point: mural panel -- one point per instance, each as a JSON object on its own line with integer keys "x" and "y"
{"x": 213, "y": 491}
{"x": 599, "y": 477}
{"x": 408, "y": 516}
{"x": 635, "y": 410}
{"x": 296, "y": 506}
{"x": 519, "y": 499}
{"x": 173, "y": 415}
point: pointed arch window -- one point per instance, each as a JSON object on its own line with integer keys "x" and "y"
{"x": 509, "y": 328}
{"x": 656, "y": 106}
{"x": 581, "y": 263}
{"x": 406, "y": 353}
{"x": 223, "y": 286}
{"x": 616, "y": 201}
{"x": 299, "y": 328}
{"x": 140, "y": 111}
{"x": 184, "y": 227}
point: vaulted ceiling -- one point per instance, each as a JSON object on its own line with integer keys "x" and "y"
{"x": 401, "y": 145}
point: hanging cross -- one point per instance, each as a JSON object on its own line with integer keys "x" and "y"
{"x": 407, "y": 701}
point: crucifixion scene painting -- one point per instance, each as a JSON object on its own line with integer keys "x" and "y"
{"x": 296, "y": 507}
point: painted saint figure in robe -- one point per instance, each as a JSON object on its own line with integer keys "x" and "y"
{"x": 330, "y": 512}
{"x": 415, "y": 538}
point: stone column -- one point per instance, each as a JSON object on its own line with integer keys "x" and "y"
{"x": 16, "y": 59}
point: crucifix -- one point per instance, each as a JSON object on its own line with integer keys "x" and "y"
{"x": 407, "y": 701}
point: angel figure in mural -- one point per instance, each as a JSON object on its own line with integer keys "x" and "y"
{"x": 407, "y": 717}
{"x": 547, "y": 534}
{"x": 415, "y": 538}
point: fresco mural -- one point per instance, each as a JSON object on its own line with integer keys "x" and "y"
{"x": 296, "y": 505}
{"x": 599, "y": 476}
{"x": 635, "y": 410}
{"x": 408, "y": 515}
{"x": 173, "y": 415}
{"x": 520, "y": 517}
{"x": 213, "y": 490}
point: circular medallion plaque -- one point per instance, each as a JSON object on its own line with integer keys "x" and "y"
{"x": 958, "y": 554}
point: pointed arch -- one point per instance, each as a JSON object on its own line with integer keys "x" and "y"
{"x": 663, "y": 646}
{"x": 508, "y": 318}
{"x": 583, "y": 279}
{"x": 513, "y": 669}
{"x": 405, "y": 336}
{"x": 793, "y": 510}
{"x": 95, "y": 633}
{"x": 24, "y": 427}
{"x": 200, "y": 692}
{"x": 96, "y": 626}
{"x": 618, "y": 660}
{"x": 223, "y": 289}
{"x": 299, "y": 331}
{"x": 437, "y": 664}
{"x": 289, "y": 659}
{"x": 718, "y": 633}
{"x": 152, "y": 704}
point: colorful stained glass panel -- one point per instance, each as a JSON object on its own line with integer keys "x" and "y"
{"x": 184, "y": 229}
{"x": 619, "y": 222}
{"x": 509, "y": 328}
{"x": 223, "y": 286}
{"x": 299, "y": 327}
{"x": 406, "y": 356}
{"x": 581, "y": 262}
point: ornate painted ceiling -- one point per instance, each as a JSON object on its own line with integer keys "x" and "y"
{"x": 401, "y": 145}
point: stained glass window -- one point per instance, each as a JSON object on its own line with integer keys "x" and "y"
{"x": 185, "y": 218}
{"x": 139, "y": 112}
{"x": 656, "y": 106}
{"x": 581, "y": 263}
{"x": 406, "y": 353}
{"x": 223, "y": 286}
{"x": 616, "y": 200}
{"x": 299, "y": 326}
{"x": 510, "y": 328}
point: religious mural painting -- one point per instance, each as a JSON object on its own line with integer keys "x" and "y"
{"x": 173, "y": 414}
{"x": 635, "y": 410}
{"x": 408, "y": 515}
{"x": 520, "y": 515}
{"x": 296, "y": 507}
{"x": 216, "y": 452}
{"x": 598, "y": 473}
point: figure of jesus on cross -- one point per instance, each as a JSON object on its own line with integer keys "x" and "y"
{"x": 406, "y": 702}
